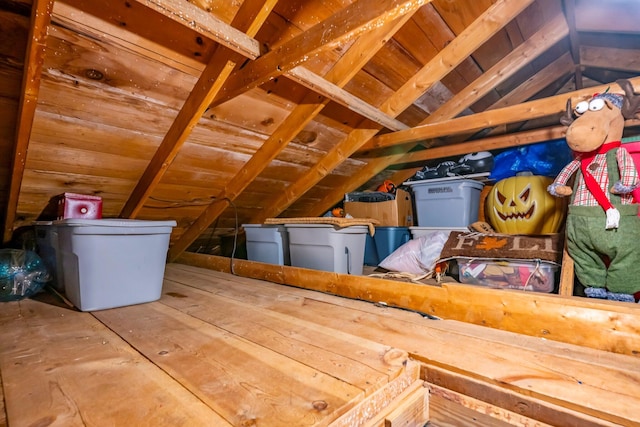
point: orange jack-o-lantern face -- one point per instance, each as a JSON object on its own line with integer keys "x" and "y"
{"x": 517, "y": 207}
{"x": 522, "y": 205}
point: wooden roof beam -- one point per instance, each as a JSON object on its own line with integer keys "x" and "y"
{"x": 521, "y": 56}
{"x": 486, "y": 144}
{"x": 230, "y": 36}
{"x": 347, "y": 24}
{"x": 358, "y": 54}
{"x": 517, "y": 113}
{"x": 250, "y": 17}
{"x": 574, "y": 39}
{"x": 40, "y": 19}
{"x": 211, "y": 82}
{"x": 556, "y": 70}
{"x": 481, "y": 30}
{"x": 335, "y": 93}
{"x": 534, "y": 46}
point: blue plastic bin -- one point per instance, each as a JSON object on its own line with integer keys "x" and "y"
{"x": 388, "y": 239}
{"x": 370, "y": 253}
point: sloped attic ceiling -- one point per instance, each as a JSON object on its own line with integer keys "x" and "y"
{"x": 203, "y": 111}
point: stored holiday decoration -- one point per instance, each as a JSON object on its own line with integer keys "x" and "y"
{"x": 603, "y": 227}
{"x": 468, "y": 164}
{"x": 522, "y": 205}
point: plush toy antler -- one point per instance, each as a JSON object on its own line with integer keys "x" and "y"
{"x": 567, "y": 117}
{"x": 631, "y": 102}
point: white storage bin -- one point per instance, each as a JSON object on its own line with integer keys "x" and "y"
{"x": 111, "y": 263}
{"x": 267, "y": 243}
{"x": 446, "y": 203}
{"x": 417, "y": 232}
{"x": 328, "y": 248}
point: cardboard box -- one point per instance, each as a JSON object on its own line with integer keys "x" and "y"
{"x": 391, "y": 213}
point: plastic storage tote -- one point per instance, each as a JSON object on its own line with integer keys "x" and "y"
{"x": 267, "y": 243}
{"x": 370, "y": 253}
{"x": 388, "y": 239}
{"x": 47, "y": 248}
{"x": 446, "y": 203}
{"x": 417, "y": 232}
{"x": 328, "y": 248}
{"x": 534, "y": 275}
{"x": 111, "y": 263}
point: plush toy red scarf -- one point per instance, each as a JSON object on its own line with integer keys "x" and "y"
{"x": 613, "y": 216}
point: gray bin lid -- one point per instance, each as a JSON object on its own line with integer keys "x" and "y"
{"x": 113, "y": 222}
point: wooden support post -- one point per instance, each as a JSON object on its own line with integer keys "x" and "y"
{"x": 566, "y": 274}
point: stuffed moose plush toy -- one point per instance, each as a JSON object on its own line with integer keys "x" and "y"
{"x": 603, "y": 227}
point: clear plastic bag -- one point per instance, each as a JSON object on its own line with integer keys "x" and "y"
{"x": 22, "y": 274}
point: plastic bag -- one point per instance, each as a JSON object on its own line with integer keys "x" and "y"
{"x": 22, "y": 274}
{"x": 545, "y": 158}
{"x": 417, "y": 256}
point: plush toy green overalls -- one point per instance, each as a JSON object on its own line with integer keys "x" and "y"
{"x": 607, "y": 261}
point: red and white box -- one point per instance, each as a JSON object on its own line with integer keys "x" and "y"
{"x": 79, "y": 206}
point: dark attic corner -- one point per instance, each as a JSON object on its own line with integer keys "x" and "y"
{"x": 319, "y": 213}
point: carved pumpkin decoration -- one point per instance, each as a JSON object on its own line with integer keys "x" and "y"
{"x": 522, "y": 205}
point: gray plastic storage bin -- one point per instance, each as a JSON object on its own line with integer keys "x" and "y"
{"x": 47, "y": 248}
{"x": 111, "y": 263}
{"x": 328, "y": 248}
{"x": 267, "y": 243}
{"x": 446, "y": 203}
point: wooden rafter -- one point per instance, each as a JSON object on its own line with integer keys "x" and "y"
{"x": 249, "y": 18}
{"x": 347, "y": 24}
{"x": 343, "y": 70}
{"x": 486, "y": 144}
{"x": 574, "y": 39}
{"x": 521, "y": 56}
{"x": 230, "y": 36}
{"x": 341, "y": 96}
{"x": 488, "y": 24}
{"x": 212, "y": 83}
{"x": 558, "y": 69}
{"x": 34, "y": 58}
{"x": 517, "y": 113}
{"x": 453, "y": 54}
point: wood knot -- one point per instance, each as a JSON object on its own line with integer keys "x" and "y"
{"x": 320, "y": 405}
{"x": 395, "y": 357}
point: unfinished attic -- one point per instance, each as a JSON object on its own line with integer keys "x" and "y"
{"x": 144, "y": 142}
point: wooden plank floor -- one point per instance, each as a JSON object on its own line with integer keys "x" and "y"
{"x": 219, "y": 349}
